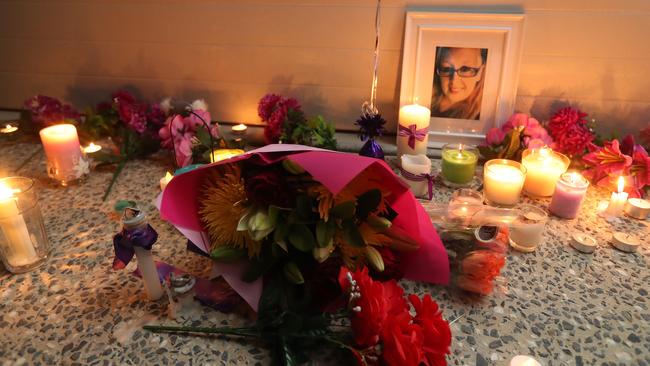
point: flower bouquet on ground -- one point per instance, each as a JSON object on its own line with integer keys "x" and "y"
{"x": 520, "y": 132}
{"x": 306, "y": 236}
{"x": 46, "y": 111}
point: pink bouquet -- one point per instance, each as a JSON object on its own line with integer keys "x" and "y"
{"x": 520, "y": 132}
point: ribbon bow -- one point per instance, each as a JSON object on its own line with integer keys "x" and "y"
{"x": 413, "y": 133}
{"x": 420, "y": 178}
{"x": 125, "y": 240}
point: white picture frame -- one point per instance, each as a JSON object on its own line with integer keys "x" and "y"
{"x": 498, "y": 35}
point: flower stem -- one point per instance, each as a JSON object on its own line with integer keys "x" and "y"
{"x": 243, "y": 332}
{"x": 120, "y": 166}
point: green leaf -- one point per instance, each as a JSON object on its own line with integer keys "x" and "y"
{"x": 292, "y": 273}
{"x": 303, "y": 207}
{"x": 352, "y": 235}
{"x": 274, "y": 212}
{"x": 122, "y": 204}
{"x": 513, "y": 144}
{"x": 345, "y": 210}
{"x": 301, "y": 238}
{"x": 368, "y": 202}
{"x": 325, "y": 233}
{"x": 280, "y": 234}
{"x": 226, "y": 254}
{"x": 204, "y": 136}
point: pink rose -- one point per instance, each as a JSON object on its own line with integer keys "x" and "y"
{"x": 495, "y": 136}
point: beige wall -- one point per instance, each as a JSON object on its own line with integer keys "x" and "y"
{"x": 590, "y": 53}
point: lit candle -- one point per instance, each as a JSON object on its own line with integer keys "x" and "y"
{"x": 19, "y": 250}
{"x": 503, "y": 180}
{"x": 8, "y": 129}
{"x": 617, "y": 202}
{"x": 92, "y": 148}
{"x": 527, "y": 230}
{"x": 458, "y": 164}
{"x": 239, "y": 129}
{"x": 637, "y": 208}
{"x": 570, "y": 191}
{"x": 413, "y": 130}
{"x": 223, "y": 154}
{"x": 64, "y": 160}
{"x": 544, "y": 167}
{"x": 165, "y": 180}
{"x": 417, "y": 165}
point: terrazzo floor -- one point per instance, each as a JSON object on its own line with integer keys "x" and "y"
{"x": 556, "y": 304}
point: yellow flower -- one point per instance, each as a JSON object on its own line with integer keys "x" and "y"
{"x": 221, "y": 207}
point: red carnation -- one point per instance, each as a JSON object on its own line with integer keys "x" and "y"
{"x": 403, "y": 341}
{"x": 436, "y": 331}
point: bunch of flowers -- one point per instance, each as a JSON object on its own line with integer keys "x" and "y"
{"x": 286, "y": 122}
{"x": 615, "y": 159}
{"x": 645, "y": 137}
{"x": 47, "y": 111}
{"x": 570, "y": 131}
{"x": 476, "y": 256}
{"x": 190, "y": 132}
{"x": 314, "y": 239}
{"x": 520, "y": 132}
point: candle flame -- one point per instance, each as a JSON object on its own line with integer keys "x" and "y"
{"x": 168, "y": 176}
{"x": 91, "y": 148}
{"x": 621, "y": 184}
{"x": 8, "y": 126}
{"x": 7, "y": 192}
{"x": 545, "y": 152}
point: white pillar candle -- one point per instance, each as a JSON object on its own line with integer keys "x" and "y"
{"x": 20, "y": 249}
{"x": 165, "y": 180}
{"x": 64, "y": 160}
{"x": 503, "y": 180}
{"x": 149, "y": 273}
{"x": 416, "y": 165}
{"x": 413, "y": 130}
{"x": 543, "y": 169}
{"x": 617, "y": 202}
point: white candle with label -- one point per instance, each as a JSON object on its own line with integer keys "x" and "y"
{"x": 617, "y": 202}
{"x": 413, "y": 125}
{"x": 20, "y": 249}
{"x": 417, "y": 165}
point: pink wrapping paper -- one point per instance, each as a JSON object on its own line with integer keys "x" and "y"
{"x": 334, "y": 170}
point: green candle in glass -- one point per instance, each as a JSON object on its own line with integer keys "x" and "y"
{"x": 458, "y": 164}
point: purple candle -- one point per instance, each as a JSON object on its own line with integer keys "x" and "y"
{"x": 570, "y": 191}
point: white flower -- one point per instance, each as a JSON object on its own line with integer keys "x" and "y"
{"x": 82, "y": 167}
{"x": 166, "y": 105}
{"x": 199, "y": 105}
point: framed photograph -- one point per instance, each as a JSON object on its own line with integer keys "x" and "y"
{"x": 464, "y": 67}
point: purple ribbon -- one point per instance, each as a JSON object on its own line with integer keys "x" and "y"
{"x": 125, "y": 240}
{"x": 413, "y": 134}
{"x": 420, "y": 178}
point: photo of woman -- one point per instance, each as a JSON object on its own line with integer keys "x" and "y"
{"x": 458, "y": 82}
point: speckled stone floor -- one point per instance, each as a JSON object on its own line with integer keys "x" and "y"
{"x": 556, "y": 304}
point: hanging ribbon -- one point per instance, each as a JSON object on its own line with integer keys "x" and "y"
{"x": 413, "y": 134}
{"x": 125, "y": 240}
{"x": 419, "y": 178}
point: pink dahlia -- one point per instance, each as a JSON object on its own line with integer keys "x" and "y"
{"x": 274, "y": 109}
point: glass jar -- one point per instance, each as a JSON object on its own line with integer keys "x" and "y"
{"x": 570, "y": 191}
{"x": 527, "y": 230}
{"x": 23, "y": 241}
{"x": 544, "y": 168}
{"x": 458, "y": 164}
{"x": 503, "y": 180}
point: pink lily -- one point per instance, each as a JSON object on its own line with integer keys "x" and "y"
{"x": 606, "y": 161}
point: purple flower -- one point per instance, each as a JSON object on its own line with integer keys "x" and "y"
{"x": 47, "y": 110}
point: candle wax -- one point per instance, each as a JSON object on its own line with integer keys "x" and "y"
{"x": 503, "y": 184}
{"x": 526, "y": 232}
{"x": 543, "y": 171}
{"x": 458, "y": 166}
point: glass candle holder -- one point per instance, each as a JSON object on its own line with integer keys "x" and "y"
{"x": 570, "y": 191}
{"x": 527, "y": 230}
{"x": 543, "y": 169}
{"x": 503, "y": 180}
{"x": 458, "y": 164}
{"x": 66, "y": 162}
{"x": 23, "y": 242}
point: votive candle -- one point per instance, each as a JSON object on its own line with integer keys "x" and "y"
{"x": 458, "y": 164}
{"x": 64, "y": 159}
{"x": 618, "y": 199}
{"x": 19, "y": 250}
{"x": 413, "y": 125}
{"x": 223, "y": 154}
{"x": 503, "y": 180}
{"x": 543, "y": 169}
{"x": 570, "y": 191}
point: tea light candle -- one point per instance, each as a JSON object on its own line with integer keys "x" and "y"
{"x": 570, "y": 191}
{"x": 637, "y": 208}
{"x": 625, "y": 242}
{"x": 583, "y": 243}
{"x": 239, "y": 130}
{"x": 521, "y": 360}
{"x": 544, "y": 167}
{"x": 20, "y": 250}
{"x": 64, "y": 159}
{"x": 92, "y": 148}
{"x": 223, "y": 154}
{"x": 458, "y": 164}
{"x": 8, "y": 129}
{"x": 617, "y": 202}
{"x": 503, "y": 180}
{"x": 413, "y": 130}
{"x": 417, "y": 165}
{"x": 165, "y": 180}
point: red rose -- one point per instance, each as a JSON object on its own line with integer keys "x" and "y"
{"x": 402, "y": 340}
{"x": 436, "y": 331}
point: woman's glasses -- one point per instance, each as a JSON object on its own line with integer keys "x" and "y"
{"x": 463, "y": 71}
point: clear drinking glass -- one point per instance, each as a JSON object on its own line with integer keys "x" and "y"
{"x": 527, "y": 230}
{"x": 23, "y": 241}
